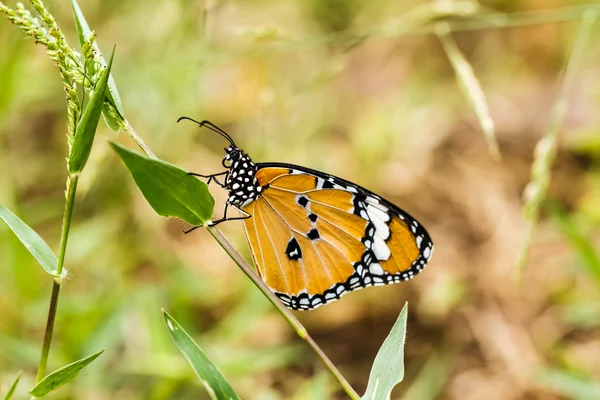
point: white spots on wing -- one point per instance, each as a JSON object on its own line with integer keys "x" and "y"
{"x": 427, "y": 252}
{"x": 236, "y": 186}
{"x": 419, "y": 240}
{"x": 320, "y": 182}
{"x": 379, "y": 219}
{"x": 374, "y": 211}
{"x": 376, "y": 269}
{"x": 382, "y": 252}
{"x": 304, "y": 301}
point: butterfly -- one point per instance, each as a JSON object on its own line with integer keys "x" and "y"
{"x": 315, "y": 237}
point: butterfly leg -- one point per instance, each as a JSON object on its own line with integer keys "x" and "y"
{"x": 213, "y": 177}
{"x": 246, "y": 216}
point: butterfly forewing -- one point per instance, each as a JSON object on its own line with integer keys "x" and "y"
{"x": 315, "y": 237}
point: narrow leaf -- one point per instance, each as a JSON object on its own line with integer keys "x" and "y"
{"x": 573, "y": 233}
{"x": 31, "y": 240}
{"x": 86, "y": 128}
{"x": 13, "y": 387}
{"x": 168, "y": 189}
{"x": 61, "y": 376}
{"x": 83, "y": 32}
{"x": 213, "y": 380}
{"x": 569, "y": 385}
{"x": 388, "y": 367}
{"x": 469, "y": 85}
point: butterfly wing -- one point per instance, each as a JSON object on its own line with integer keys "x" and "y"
{"x": 315, "y": 237}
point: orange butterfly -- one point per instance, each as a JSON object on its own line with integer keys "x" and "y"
{"x": 315, "y": 237}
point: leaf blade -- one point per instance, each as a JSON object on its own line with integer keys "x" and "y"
{"x": 212, "y": 379}
{"x": 87, "y": 126}
{"x": 31, "y": 240}
{"x": 61, "y": 376}
{"x": 83, "y": 32}
{"x": 13, "y": 387}
{"x": 388, "y": 367}
{"x": 169, "y": 190}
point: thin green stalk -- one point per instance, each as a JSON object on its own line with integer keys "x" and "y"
{"x": 545, "y": 150}
{"x": 70, "y": 202}
{"x": 289, "y": 317}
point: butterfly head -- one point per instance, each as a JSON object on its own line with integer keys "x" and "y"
{"x": 232, "y": 155}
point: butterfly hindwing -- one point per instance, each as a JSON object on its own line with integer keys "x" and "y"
{"x": 315, "y": 237}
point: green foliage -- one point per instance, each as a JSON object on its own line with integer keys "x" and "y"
{"x": 212, "y": 379}
{"x": 388, "y": 367}
{"x": 113, "y": 97}
{"x": 86, "y": 128}
{"x": 171, "y": 191}
{"x": 570, "y": 385}
{"x": 62, "y": 375}
{"x": 31, "y": 240}
{"x": 570, "y": 229}
{"x": 13, "y": 387}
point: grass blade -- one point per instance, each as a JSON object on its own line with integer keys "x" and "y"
{"x": 569, "y": 385}
{"x": 582, "y": 245}
{"x": 212, "y": 379}
{"x": 86, "y": 128}
{"x": 545, "y": 150}
{"x": 13, "y": 387}
{"x": 168, "y": 189}
{"x": 62, "y": 375}
{"x": 388, "y": 367}
{"x": 31, "y": 240}
{"x": 83, "y": 32}
{"x": 469, "y": 85}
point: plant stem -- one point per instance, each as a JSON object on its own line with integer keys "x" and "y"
{"x": 66, "y": 225}
{"x": 287, "y": 314}
{"x": 137, "y": 139}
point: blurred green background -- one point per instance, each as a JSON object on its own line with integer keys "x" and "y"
{"x": 355, "y": 88}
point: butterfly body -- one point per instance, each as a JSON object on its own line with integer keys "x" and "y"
{"x": 315, "y": 237}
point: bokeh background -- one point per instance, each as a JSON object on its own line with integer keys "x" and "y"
{"x": 362, "y": 90}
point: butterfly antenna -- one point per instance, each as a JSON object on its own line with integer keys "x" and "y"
{"x": 210, "y": 126}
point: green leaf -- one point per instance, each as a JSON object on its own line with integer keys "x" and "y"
{"x": 61, "y": 376}
{"x": 31, "y": 240}
{"x": 83, "y": 32}
{"x": 569, "y": 228}
{"x": 168, "y": 189}
{"x": 388, "y": 367}
{"x": 213, "y": 380}
{"x": 86, "y": 128}
{"x": 569, "y": 385}
{"x": 12, "y": 388}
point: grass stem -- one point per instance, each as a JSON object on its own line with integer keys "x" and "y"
{"x": 70, "y": 203}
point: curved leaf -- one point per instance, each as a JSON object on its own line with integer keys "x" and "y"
{"x": 388, "y": 367}
{"x": 213, "y": 380}
{"x": 83, "y": 32}
{"x": 13, "y": 387}
{"x": 169, "y": 189}
{"x": 31, "y": 240}
{"x": 86, "y": 128}
{"x": 61, "y": 376}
